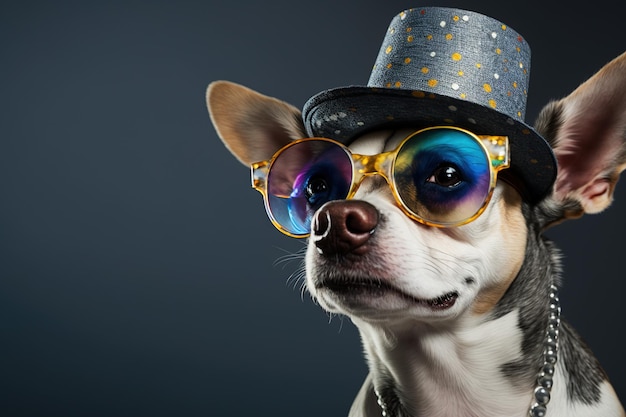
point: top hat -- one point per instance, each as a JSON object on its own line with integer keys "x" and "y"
{"x": 444, "y": 66}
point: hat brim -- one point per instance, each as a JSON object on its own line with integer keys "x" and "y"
{"x": 347, "y": 112}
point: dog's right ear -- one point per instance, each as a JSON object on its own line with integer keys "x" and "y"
{"x": 251, "y": 125}
{"x": 587, "y": 130}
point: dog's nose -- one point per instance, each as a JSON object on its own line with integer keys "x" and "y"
{"x": 343, "y": 226}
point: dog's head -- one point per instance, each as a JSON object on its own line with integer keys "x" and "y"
{"x": 377, "y": 255}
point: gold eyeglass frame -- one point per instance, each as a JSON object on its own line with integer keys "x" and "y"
{"x": 496, "y": 148}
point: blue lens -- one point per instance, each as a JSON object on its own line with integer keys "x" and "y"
{"x": 304, "y": 177}
{"x": 442, "y": 175}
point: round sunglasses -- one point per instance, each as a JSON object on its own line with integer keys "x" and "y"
{"x": 440, "y": 176}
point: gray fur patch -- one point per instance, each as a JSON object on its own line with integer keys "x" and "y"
{"x": 528, "y": 294}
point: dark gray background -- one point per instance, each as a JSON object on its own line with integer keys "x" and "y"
{"x": 138, "y": 272}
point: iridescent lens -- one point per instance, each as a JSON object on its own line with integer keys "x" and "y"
{"x": 304, "y": 177}
{"x": 442, "y": 175}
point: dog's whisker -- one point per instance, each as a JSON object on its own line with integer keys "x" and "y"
{"x": 289, "y": 257}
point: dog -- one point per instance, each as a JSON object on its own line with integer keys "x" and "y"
{"x": 445, "y": 273}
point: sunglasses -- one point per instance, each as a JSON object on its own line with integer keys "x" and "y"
{"x": 439, "y": 176}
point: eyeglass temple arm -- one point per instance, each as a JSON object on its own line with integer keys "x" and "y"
{"x": 258, "y": 174}
{"x": 498, "y": 148}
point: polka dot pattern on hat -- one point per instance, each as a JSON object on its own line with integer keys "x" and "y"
{"x": 464, "y": 55}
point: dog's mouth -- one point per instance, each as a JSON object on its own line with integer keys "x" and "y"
{"x": 351, "y": 289}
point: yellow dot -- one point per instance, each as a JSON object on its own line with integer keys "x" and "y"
{"x": 503, "y": 27}
{"x": 492, "y": 103}
{"x": 455, "y": 18}
{"x": 449, "y": 121}
{"x": 514, "y": 84}
{"x": 425, "y": 70}
{"x": 487, "y": 88}
{"x": 478, "y": 65}
{"x": 429, "y": 37}
{"x": 398, "y": 84}
{"x": 498, "y": 51}
{"x": 409, "y": 29}
{"x": 389, "y": 49}
{"x": 519, "y": 114}
{"x": 517, "y": 49}
{"x": 448, "y": 36}
{"x": 456, "y": 56}
{"x": 388, "y": 85}
{"x": 410, "y": 38}
{"x": 461, "y": 73}
{"x": 402, "y": 15}
{"x": 432, "y": 82}
{"x": 389, "y": 65}
{"x": 418, "y": 94}
{"x": 463, "y": 95}
{"x": 407, "y": 60}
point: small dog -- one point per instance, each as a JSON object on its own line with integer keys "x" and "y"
{"x": 424, "y": 196}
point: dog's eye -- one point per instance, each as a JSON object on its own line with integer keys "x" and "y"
{"x": 446, "y": 176}
{"x": 315, "y": 186}
{"x": 317, "y": 191}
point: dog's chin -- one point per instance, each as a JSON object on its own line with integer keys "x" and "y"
{"x": 378, "y": 300}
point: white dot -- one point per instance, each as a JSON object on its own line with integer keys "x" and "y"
{"x": 472, "y": 121}
{"x": 452, "y": 108}
{"x": 494, "y": 35}
{"x": 360, "y": 123}
{"x": 455, "y": 86}
{"x": 333, "y": 117}
{"x": 342, "y": 115}
{"x": 433, "y": 53}
{"x": 465, "y": 18}
{"x": 337, "y": 132}
{"x": 496, "y": 76}
{"x": 442, "y": 24}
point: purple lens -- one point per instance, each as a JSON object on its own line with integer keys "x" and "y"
{"x": 303, "y": 177}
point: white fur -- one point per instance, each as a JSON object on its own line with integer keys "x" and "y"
{"x": 442, "y": 364}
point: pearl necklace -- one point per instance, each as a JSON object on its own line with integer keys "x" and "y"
{"x": 541, "y": 393}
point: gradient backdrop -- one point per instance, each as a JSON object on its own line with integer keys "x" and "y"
{"x": 139, "y": 275}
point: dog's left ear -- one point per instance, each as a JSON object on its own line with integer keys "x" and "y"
{"x": 587, "y": 131}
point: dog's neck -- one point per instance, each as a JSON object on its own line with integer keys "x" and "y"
{"x": 443, "y": 370}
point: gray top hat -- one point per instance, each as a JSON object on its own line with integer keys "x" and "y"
{"x": 443, "y": 66}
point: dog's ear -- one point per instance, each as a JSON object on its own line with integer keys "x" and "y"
{"x": 587, "y": 131}
{"x": 251, "y": 125}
